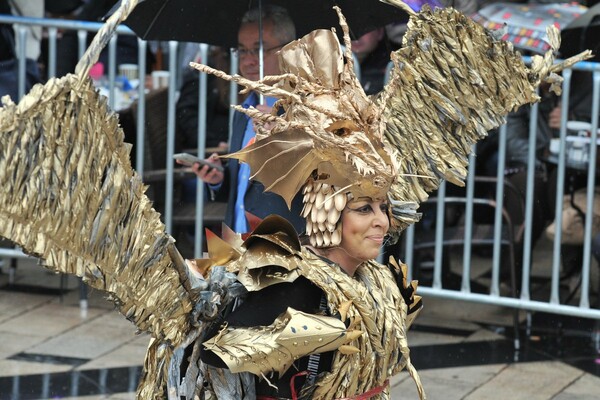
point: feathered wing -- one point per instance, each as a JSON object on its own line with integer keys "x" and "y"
{"x": 451, "y": 83}
{"x": 70, "y": 197}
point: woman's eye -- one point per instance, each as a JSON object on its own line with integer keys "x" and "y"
{"x": 363, "y": 209}
{"x": 368, "y": 208}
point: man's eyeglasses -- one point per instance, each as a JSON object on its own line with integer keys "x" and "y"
{"x": 243, "y": 52}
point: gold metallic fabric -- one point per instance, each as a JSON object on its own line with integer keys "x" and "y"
{"x": 70, "y": 197}
{"x": 261, "y": 350}
{"x": 373, "y": 348}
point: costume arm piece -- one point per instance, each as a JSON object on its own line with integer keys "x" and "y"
{"x": 292, "y": 335}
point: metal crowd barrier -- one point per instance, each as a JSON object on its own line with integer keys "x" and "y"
{"x": 437, "y": 289}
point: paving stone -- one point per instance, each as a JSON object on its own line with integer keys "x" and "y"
{"x": 114, "y": 396}
{"x": 483, "y": 335}
{"x": 122, "y": 396}
{"x": 90, "y": 340}
{"x": 13, "y": 343}
{"x": 426, "y": 338}
{"x": 430, "y": 316}
{"x": 18, "y": 367}
{"x": 131, "y": 353}
{"x": 16, "y": 303}
{"x": 444, "y": 383}
{"x": 464, "y": 311}
{"x": 527, "y": 381}
{"x": 48, "y": 320}
{"x": 585, "y": 388}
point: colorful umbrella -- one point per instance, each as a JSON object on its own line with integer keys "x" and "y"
{"x": 526, "y": 23}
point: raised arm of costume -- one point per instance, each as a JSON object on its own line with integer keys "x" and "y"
{"x": 70, "y": 197}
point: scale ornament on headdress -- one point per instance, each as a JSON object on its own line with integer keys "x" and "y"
{"x": 451, "y": 83}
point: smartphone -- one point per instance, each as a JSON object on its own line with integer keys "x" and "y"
{"x": 189, "y": 160}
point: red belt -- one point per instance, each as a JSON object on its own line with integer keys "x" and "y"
{"x": 369, "y": 393}
{"x": 365, "y": 396}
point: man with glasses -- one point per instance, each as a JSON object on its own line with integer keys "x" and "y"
{"x": 234, "y": 184}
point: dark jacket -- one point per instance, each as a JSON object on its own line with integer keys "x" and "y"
{"x": 6, "y": 43}
{"x": 217, "y": 116}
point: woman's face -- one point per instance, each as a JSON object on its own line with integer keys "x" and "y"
{"x": 365, "y": 223}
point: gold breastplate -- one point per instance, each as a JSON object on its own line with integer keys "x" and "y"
{"x": 376, "y": 300}
{"x": 368, "y": 352}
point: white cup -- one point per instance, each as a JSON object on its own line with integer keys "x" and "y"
{"x": 554, "y": 146}
{"x": 129, "y": 71}
{"x": 579, "y": 128}
{"x": 160, "y": 79}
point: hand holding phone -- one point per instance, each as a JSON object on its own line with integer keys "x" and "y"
{"x": 189, "y": 160}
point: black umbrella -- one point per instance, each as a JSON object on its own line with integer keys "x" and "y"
{"x": 582, "y": 34}
{"x": 217, "y": 22}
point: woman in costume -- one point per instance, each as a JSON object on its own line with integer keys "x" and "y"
{"x": 322, "y": 321}
{"x": 71, "y": 198}
{"x": 313, "y": 315}
{"x": 349, "y": 155}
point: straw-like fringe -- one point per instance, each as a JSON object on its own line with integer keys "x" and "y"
{"x": 70, "y": 196}
{"x": 452, "y": 82}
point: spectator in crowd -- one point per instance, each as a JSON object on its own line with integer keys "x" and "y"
{"x": 373, "y": 53}
{"x": 85, "y": 10}
{"x": 9, "y": 45}
{"x": 30, "y": 8}
{"x": 596, "y": 247}
{"x": 217, "y": 111}
{"x": 548, "y": 125}
{"x": 234, "y": 185}
{"x": 517, "y": 149}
